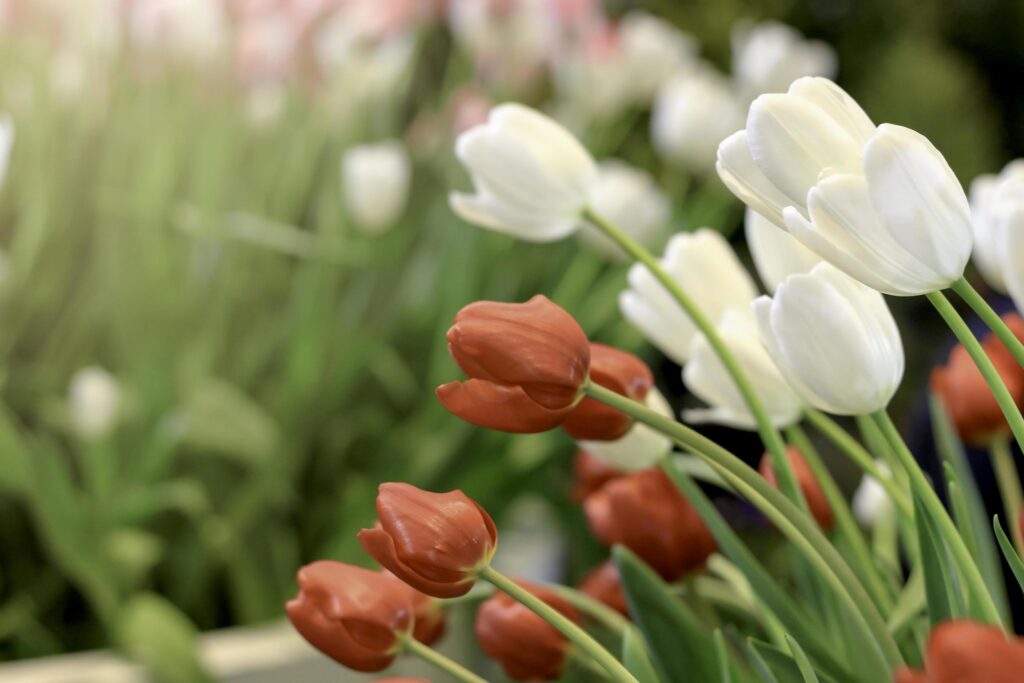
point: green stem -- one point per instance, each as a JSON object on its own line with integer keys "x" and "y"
{"x": 567, "y": 628}
{"x": 990, "y": 318}
{"x": 1009, "y": 486}
{"x": 593, "y": 608}
{"x": 968, "y": 570}
{"x": 842, "y": 440}
{"x": 769, "y": 434}
{"x": 795, "y": 524}
{"x": 984, "y": 364}
{"x": 449, "y": 666}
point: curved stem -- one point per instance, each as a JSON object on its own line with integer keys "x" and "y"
{"x": 968, "y": 569}
{"x": 769, "y": 434}
{"x": 984, "y": 364}
{"x": 449, "y": 666}
{"x": 566, "y": 627}
{"x": 1008, "y": 480}
{"x": 795, "y": 524}
{"x": 842, "y": 440}
{"x": 995, "y": 323}
{"x": 593, "y": 608}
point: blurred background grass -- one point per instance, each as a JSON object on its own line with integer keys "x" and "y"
{"x": 274, "y": 362}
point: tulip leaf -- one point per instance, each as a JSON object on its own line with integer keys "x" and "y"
{"x": 724, "y": 665}
{"x": 934, "y": 565}
{"x": 784, "y": 668}
{"x": 635, "y": 656}
{"x": 802, "y": 663}
{"x": 1012, "y": 558}
{"x": 680, "y": 645}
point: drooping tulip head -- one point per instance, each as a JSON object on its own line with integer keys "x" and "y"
{"x": 590, "y": 474}
{"x": 527, "y": 365}
{"x": 435, "y": 542}
{"x": 604, "y": 584}
{"x": 805, "y": 479}
{"x": 428, "y": 612}
{"x": 964, "y": 651}
{"x": 624, "y": 374}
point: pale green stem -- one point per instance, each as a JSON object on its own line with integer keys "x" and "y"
{"x": 795, "y": 524}
{"x": 852, "y": 448}
{"x": 1008, "y": 480}
{"x": 769, "y": 434}
{"x": 449, "y": 666}
{"x": 968, "y": 569}
{"x": 984, "y": 364}
{"x": 566, "y": 627}
{"x": 990, "y": 318}
{"x": 593, "y": 608}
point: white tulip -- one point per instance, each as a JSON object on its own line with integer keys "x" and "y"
{"x": 6, "y": 144}
{"x": 706, "y": 377}
{"x": 654, "y": 50}
{"x": 641, "y": 447}
{"x": 375, "y": 179}
{"x": 871, "y": 502}
{"x": 834, "y": 340}
{"x": 768, "y": 56}
{"x": 628, "y": 198}
{"x": 776, "y": 253}
{"x": 707, "y": 269}
{"x": 997, "y": 208}
{"x": 692, "y": 114}
{"x": 532, "y": 177}
{"x": 94, "y": 401}
{"x": 879, "y": 203}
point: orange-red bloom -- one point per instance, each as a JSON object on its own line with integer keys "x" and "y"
{"x": 591, "y": 473}
{"x": 971, "y": 405}
{"x": 645, "y": 512}
{"x": 815, "y": 497}
{"x": 435, "y": 542}
{"x": 528, "y": 648}
{"x": 352, "y": 615}
{"x": 428, "y": 613}
{"x": 623, "y": 373}
{"x": 603, "y": 584}
{"x": 964, "y": 651}
{"x": 527, "y": 364}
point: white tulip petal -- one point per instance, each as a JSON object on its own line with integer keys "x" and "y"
{"x": 641, "y": 447}
{"x": 776, "y": 253}
{"x": 744, "y": 179}
{"x": 837, "y": 104}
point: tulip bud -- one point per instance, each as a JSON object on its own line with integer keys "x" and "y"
{"x": 629, "y": 199}
{"x": 692, "y": 114}
{"x": 654, "y": 50}
{"x": 996, "y": 209}
{"x": 94, "y": 401}
{"x": 527, "y": 365}
{"x": 624, "y": 374}
{"x": 375, "y": 180}
{"x": 707, "y": 269}
{"x": 964, "y": 651}
{"x": 401, "y": 679}
{"x": 768, "y": 56}
{"x": 776, "y": 253}
{"x": 528, "y": 648}
{"x": 604, "y": 584}
{"x": 641, "y": 447}
{"x": 435, "y": 542}
{"x": 706, "y": 377}
{"x": 646, "y": 513}
{"x": 590, "y": 473}
{"x": 968, "y": 398}
{"x": 871, "y": 502}
{"x": 879, "y": 203}
{"x": 352, "y": 615}
{"x": 532, "y": 177}
{"x": 805, "y": 479}
{"x": 428, "y": 612}
{"x": 834, "y": 340}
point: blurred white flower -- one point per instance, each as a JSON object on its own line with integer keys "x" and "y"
{"x": 692, "y": 114}
{"x": 375, "y": 179}
{"x": 94, "y": 401}
{"x": 706, "y": 377}
{"x": 532, "y": 177}
{"x": 834, "y": 340}
{"x": 629, "y": 198}
{"x": 652, "y": 50}
{"x": 880, "y": 204}
{"x": 504, "y": 35}
{"x": 593, "y": 79}
{"x": 768, "y": 56}
{"x": 871, "y": 502}
{"x": 707, "y": 269}
{"x": 776, "y": 253}
{"x": 190, "y": 30}
{"x": 997, "y": 207}
{"x": 641, "y": 447}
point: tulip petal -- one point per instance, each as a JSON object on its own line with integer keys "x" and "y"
{"x": 332, "y": 639}
{"x": 381, "y": 547}
{"x": 498, "y": 406}
{"x": 486, "y": 211}
{"x": 837, "y": 104}
{"x": 744, "y": 179}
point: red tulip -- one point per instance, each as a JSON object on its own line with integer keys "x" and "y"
{"x": 527, "y": 364}
{"x": 528, "y": 648}
{"x": 603, "y": 584}
{"x": 623, "y": 373}
{"x": 815, "y": 497}
{"x": 591, "y": 473}
{"x": 645, "y": 512}
{"x": 435, "y": 542}
{"x": 353, "y": 615}
{"x": 428, "y": 613}
{"x": 963, "y": 651}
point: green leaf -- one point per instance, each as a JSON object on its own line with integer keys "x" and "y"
{"x": 937, "y": 576}
{"x": 1012, "y": 558}
{"x": 153, "y": 632}
{"x": 635, "y": 656}
{"x": 783, "y": 666}
{"x": 680, "y": 646}
{"x": 722, "y": 653}
{"x": 806, "y": 670}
